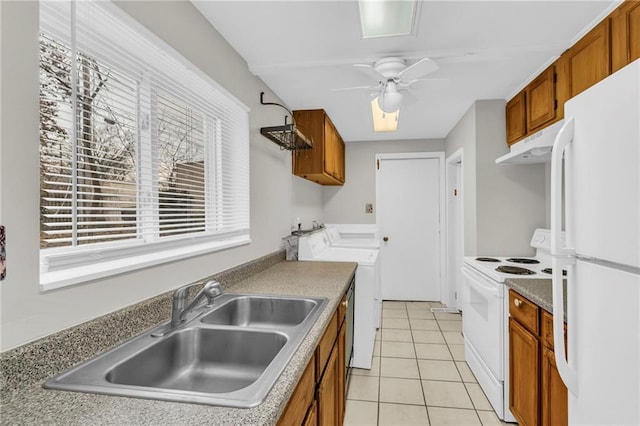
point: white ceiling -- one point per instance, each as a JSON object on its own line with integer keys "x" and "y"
{"x": 304, "y": 49}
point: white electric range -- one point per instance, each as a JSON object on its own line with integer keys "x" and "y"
{"x": 485, "y": 315}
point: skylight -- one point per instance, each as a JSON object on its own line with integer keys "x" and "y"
{"x": 386, "y": 18}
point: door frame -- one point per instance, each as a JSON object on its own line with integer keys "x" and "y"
{"x": 438, "y": 155}
{"x": 454, "y": 231}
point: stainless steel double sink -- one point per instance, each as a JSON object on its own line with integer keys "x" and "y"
{"x": 229, "y": 354}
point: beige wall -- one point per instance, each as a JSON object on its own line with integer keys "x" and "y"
{"x": 503, "y": 204}
{"x": 307, "y": 202}
{"x": 463, "y": 136}
{"x": 27, "y": 314}
{"x": 346, "y": 204}
{"x": 511, "y": 198}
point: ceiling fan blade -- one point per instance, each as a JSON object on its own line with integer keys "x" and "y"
{"x": 371, "y": 72}
{"x": 344, "y": 89}
{"x": 423, "y": 67}
{"x": 418, "y": 82}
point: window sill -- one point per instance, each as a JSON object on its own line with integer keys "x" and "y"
{"x": 85, "y": 273}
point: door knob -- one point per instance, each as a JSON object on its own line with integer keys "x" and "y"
{"x": 385, "y": 239}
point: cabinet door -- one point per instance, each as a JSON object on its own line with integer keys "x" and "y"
{"x": 541, "y": 100}
{"x": 625, "y": 34}
{"x": 330, "y": 149}
{"x": 524, "y": 373}
{"x": 301, "y": 399}
{"x": 516, "y": 118}
{"x": 312, "y": 416}
{"x": 340, "y": 159}
{"x": 328, "y": 393}
{"x": 311, "y": 124}
{"x": 586, "y": 62}
{"x": 554, "y": 393}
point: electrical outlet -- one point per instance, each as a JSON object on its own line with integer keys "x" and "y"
{"x": 368, "y": 208}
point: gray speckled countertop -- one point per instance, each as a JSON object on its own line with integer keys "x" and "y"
{"x": 25, "y": 402}
{"x": 538, "y": 291}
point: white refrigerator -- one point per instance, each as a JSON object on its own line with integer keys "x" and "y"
{"x": 595, "y": 191}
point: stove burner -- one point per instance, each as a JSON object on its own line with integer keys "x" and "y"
{"x": 514, "y": 270}
{"x": 550, "y": 270}
{"x": 523, "y": 260}
{"x": 486, "y": 259}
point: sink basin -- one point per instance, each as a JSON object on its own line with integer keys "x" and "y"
{"x": 201, "y": 360}
{"x": 261, "y": 311}
{"x": 230, "y": 354}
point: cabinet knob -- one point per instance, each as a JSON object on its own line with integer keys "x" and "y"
{"x": 517, "y": 302}
{"x": 385, "y": 239}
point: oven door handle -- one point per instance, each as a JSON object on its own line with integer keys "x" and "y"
{"x": 476, "y": 283}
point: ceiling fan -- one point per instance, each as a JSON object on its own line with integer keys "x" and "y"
{"x": 394, "y": 78}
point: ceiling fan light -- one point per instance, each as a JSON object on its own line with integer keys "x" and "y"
{"x": 383, "y": 121}
{"x": 387, "y": 18}
{"x": 390, "y": 101}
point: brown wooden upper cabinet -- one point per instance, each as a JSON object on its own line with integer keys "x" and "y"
{"x": 610, "y": 45}
{"x": 535, "y": 107}
{"x": 625, "y": 34}
{"x": 324, "y": 163}
{"x": 541, "y": 103}
{"x": 586, "y": 62}
{"x": 516, "y": 118}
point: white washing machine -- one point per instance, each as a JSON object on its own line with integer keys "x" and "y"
{"x": 353, "y": 235}
{"x": 368, "y": 302}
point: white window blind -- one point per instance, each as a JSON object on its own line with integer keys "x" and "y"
{"x": 143, "y": 158}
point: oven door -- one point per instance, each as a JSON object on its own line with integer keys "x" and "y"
{"x": 483, "y": 319}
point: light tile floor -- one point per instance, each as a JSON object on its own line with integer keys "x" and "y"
{"x": 419, "y": 375}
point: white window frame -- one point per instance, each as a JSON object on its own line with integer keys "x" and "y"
{"x": 64, "y": 266}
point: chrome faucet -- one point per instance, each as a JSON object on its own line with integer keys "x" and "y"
{"x": 210, "y": 290}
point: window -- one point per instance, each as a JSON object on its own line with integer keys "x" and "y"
{"x": 143, "y": 158}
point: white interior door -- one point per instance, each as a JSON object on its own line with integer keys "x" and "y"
{"x": 408, "y": 192}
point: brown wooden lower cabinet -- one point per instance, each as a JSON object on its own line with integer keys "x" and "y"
{"x": 319, "y": 398}
{"x": 304, "y": 394}
{"x": 312, "y": 415}
{"x": 537, "y": 395}
{"x": 524, "y": 370}
{"x": 554, "y": 398}
{"x": 328, "y": 393}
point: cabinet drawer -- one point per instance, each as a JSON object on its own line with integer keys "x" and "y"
{"x": 326, "y": 344}
{"x": 547, "y": 330}
{"x": 525, "y": 312}
{"x": 301, "y": 398}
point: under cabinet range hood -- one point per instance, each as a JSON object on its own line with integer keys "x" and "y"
{"x": 533, "y": 149}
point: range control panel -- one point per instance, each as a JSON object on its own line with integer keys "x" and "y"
{"x": 542, "y": 239}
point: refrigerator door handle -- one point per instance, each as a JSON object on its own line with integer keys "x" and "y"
{"x": 567, "y": 373}
{"x": 563, "y": 139}
{"x": 561, "y": 257}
